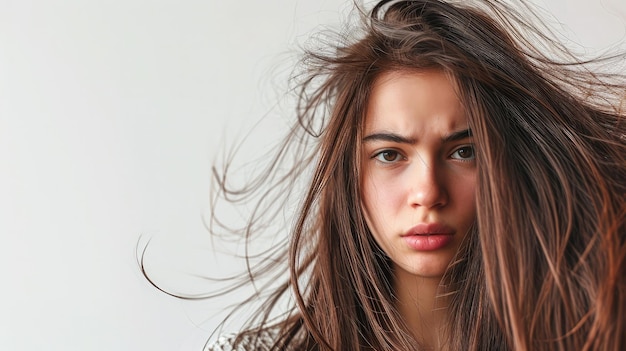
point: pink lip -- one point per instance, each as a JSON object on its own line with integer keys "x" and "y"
{"x": 430, "y": 229}
{"x": 428, "y": 236}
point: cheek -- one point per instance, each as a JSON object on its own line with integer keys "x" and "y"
{"x": 465, "y": 198}
{"x": 381, "y": 200}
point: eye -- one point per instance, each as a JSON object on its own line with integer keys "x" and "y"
{"x": 388, "y": 156}
{"x": 464, "y": 153}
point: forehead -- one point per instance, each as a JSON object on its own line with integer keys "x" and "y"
{"x": 404, "y": 100}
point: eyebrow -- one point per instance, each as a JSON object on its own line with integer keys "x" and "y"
{"x": 397, "y": 138}
{"x": 456, "y": 136}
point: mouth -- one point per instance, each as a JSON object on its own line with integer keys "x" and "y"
{"x": 428, "y": 236}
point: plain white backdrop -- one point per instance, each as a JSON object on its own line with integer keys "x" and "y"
{"x": 111, "y": 114}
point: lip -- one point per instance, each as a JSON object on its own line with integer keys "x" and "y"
{"x": 430, "y": 229}
{"x": 428, "y": 236}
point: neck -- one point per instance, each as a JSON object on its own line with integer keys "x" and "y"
{"x": 420, "y": 308}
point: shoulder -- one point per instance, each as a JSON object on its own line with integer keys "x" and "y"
{"x": 258, "y": 342}
{"x": 223, "y": 343}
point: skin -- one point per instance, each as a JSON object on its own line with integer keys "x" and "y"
{"x": 418, "y": 169}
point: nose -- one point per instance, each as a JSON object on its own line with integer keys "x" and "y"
{"x": 427, "y": 186}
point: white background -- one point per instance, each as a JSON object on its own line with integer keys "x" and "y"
{"x": 111, "y": 114}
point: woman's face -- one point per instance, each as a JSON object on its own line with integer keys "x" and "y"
{"x": 418, "y": 171}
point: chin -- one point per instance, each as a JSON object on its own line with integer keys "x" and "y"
{"x": 428, "y": 271}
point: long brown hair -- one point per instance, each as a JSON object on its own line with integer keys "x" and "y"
{"x": 545, "y": 265}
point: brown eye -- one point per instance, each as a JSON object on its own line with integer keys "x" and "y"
{"x": 465, "y": 153}
{"x": 388, "y": 156}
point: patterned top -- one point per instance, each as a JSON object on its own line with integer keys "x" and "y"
{"x": 249, "y": 343}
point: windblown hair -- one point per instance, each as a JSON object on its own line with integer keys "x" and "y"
{"x": 545, "y": 265}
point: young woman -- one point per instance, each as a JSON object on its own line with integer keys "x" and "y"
{"x": 468, "y": 191}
